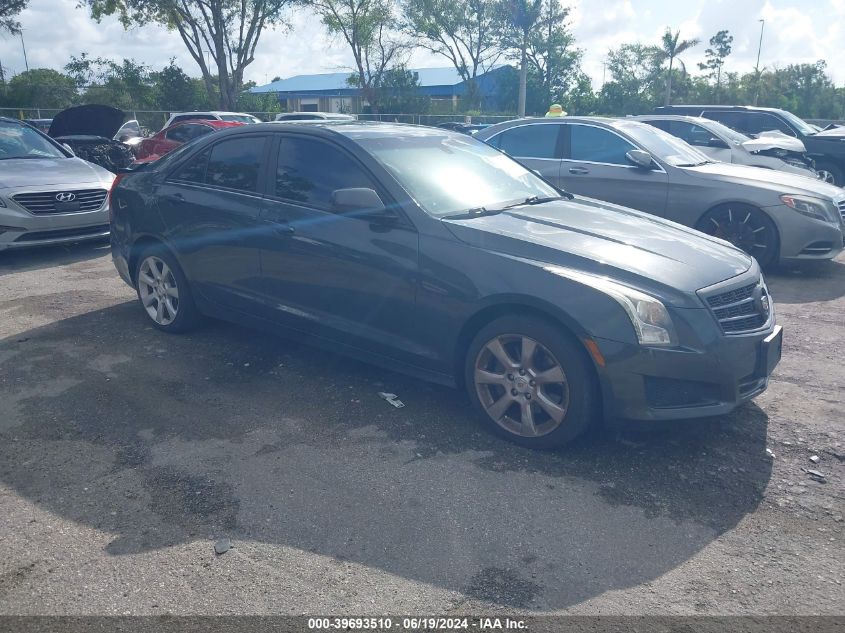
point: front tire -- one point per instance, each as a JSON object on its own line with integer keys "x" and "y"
{"x": 530, "y": 381}
{"x": 747, "y": 228}
{"x": 830, "y": 173}
{"x": 164, "y": 292}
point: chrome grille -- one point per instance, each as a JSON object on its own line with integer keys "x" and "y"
{"x": 841, "y": 205}
{"x": 45, "y": 202}
{"x": 741, "y": 309}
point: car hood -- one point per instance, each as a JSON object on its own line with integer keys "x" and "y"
{"x": 833, "y": 132}
{"x": 95, "y": 120}
{"x": 43, "y": 172}
{"x": 776, "y": 181}
{"x": 607, "y": 240}
{"x": 774, "y": 140}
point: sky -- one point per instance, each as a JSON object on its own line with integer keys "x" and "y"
{"x": 795, "y": 31}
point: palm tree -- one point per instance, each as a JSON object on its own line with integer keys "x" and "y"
{"x": 672, "y": 47}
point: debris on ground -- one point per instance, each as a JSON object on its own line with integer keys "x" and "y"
{"x": 222, "y": 546}
{"x": 815, "y": 459}
{"x": 770, "y": 453}
{"x": 391, "y": 398}
{"x": 816, "y": 475}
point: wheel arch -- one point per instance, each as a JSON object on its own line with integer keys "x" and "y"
{"x": 138, "y": 246}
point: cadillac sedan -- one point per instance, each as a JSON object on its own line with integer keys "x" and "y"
{"x": 47, "y": 195}
{"x": 429, "y": 252}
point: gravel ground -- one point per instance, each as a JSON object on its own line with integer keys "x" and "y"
{"x": 126, "y": 454}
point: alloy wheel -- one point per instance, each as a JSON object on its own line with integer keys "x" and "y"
{"x": 158, "y": 290}
{"x": 521, "y": 385}
{"x": 826, "y": 176}
{"x": 743, "y": 227}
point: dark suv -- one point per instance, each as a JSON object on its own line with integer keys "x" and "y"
{"x": 825, "y": 147}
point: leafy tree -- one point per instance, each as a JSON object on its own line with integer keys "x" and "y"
{"x": 400, "y": 92}
{"x": 720, "y": 48}
{"x": 227, "y": 30}
{"x": 368, "y": 28}
{"x": 519, "y": 20}
{"x": 462, "y": 31}
{"x": 552, "y": 53}
{"x": 9, "y": 10}
{"x": 634, "y": 70}
{"x": 174, "y": 90}
{"x": 672, "y": 47}
{"x": 41, "y": 88}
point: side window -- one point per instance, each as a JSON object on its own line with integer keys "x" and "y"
{"x": 309, "y": 171}
{"x": 661, "y": 125}
{"x": 690, "y": 132}
{"x": 735, "y": 120}
{"x": 597, "y": 145}
{"x": 529, "y": 141}
{"x": 194, "y": 170}
{"x": 764, "y": 122}
{"x": 180, "y": 134}
{"x": 234, "y": 163}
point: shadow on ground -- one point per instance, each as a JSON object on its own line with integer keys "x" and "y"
{"x": 228, "y": 432}
{"x": 808, "y": 282}
{"x": 16, "y": 261}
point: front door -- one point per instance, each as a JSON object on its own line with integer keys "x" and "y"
{"x": 211, "y": 207}
{"x": 535, "y": 145}
{"x": 595, "y": 166}
{"x": 335, "y": 275}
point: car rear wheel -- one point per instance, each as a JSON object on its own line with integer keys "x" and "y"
{"x": 530, "y": 382}
{"x": 163, "y": 291}
{"x": 830, "y": 173}
{"x": 745, "y": 227}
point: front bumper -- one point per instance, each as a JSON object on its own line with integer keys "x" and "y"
{"x": 803, "y": 238}
{"x": 642, "y": 383}
{"x": 21, "y": 229}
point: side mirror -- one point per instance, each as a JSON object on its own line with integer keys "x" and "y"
{"x": 361, "y": 202}
{"x": 640, "y": 158}
{"x": 69, "y": 148}
{"x": 717, "y": 143}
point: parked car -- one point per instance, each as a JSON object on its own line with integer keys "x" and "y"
{"x": 782, "y": 217}
{"x": 89, "y": 131}
{"x": 235, "y": 117}
{"x": 431, "y": 253}
{"x": 314, "y": 116}
{"x": 178, "y": 134}
{"x": 773, "y": 150}
{"x": 463, "y": 128}
{"x": 39, "y": 124}
{"x": 47, "y": 195}
{"x": 825, "y": 147}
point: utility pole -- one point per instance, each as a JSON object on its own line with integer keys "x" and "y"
{"x": 23, "y": 46}
{"x": 757, "y": 67}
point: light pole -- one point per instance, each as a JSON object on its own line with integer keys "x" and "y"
{"x": 23, "y": 46}
{"x": 757, "y": 67}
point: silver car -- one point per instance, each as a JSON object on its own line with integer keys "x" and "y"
{"x": 772, "y": 216}
{"x": 47, "y": 195}
{"x": 771, "y": 150}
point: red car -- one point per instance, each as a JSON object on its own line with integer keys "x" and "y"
{"x": 177, "y": 134}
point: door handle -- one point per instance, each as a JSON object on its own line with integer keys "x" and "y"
{"x": 285, "y": 229}
{"x": 579, "y": 170}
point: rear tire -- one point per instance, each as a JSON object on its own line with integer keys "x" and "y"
{"x": 747, "y": 228}
{"x": 530, "y": 382}
{"x": 164, "y": 292}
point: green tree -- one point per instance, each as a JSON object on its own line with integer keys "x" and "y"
{"x": 462, "y": 31}
{"x": 552, "y": 53}
{"x": 672, "y": 47}
{"x": 720, "y": 48}
{"x": 369, "y": 29}
{"x": 41, "y": 88}
{"x": 227, "y": 30}
{"x": 634, "y": 70}
{"x": 519, "y": 21}
{"x": 9, "y": 9}
{"x": 400, "y": 92}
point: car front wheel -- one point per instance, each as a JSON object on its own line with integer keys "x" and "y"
{"x": 745, "y": 227}
{"x": 163, "y": 291}
{"x": 530, "y": 381}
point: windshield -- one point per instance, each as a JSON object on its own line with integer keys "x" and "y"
{"x": 239, "y": 118}
{"x": 719, "y": 128}
{"x": 21, "y": 141}
{"x": 799, "y": 124}
{"x": 447, "y": 175}
{"x": 662, "y": 145}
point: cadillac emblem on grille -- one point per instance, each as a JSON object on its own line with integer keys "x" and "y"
{"x": 66, "y": 196}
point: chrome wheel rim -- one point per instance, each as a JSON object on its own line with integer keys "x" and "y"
{"x": 742, "y": 228}
{"x": 826, "y": 176}
{"x": 158, "y": 290}
{"x": 521, "y": 385}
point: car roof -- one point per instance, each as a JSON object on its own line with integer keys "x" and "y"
{"x": 209, "y": 122}
{"x": 351, "y": 129}
{"x": 672, "y": 117}
{"x": 669, "y": 108}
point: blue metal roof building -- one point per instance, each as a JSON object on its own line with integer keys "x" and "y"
{"x": 330, "y": 92}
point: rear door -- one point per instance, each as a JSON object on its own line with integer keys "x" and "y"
{"x": 335, "y": 275}
{"x": 535, "y": 145}
{"x": 211, "y": 205}
{"x": 595, "y": 165}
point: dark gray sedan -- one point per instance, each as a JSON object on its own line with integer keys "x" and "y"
{"x": 772, "y": 216}
{"x": 429, "y": 252}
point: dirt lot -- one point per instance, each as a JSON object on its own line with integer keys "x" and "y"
{"x": 125, "y": 454}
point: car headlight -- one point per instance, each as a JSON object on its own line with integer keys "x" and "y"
{"x": 811, "y": 207}
{"x": 648, "y": 315}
